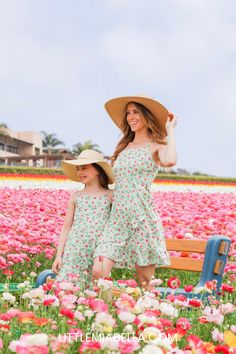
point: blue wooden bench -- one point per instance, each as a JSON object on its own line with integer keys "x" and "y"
{"x": 210, "y": 267}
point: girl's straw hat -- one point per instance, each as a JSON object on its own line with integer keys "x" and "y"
{"x": 116, "y": 109}
{"x": 84, "y": 158}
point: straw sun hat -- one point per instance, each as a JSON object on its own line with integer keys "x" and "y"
{"x": 116, "y": 106}
{"x": 87, "y": 157}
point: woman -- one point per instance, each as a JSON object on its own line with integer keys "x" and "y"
{"x": 133, "y": 236}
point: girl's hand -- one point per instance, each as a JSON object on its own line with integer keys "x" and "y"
{"x": 56, "y": 266}
{"x": 171, "y": 121}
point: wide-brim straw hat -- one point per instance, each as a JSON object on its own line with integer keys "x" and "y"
{"x": 116, "y": 109}
{"x": 87, "y": 157}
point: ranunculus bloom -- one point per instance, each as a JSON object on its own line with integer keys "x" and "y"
{"x": 67, "y": 312}
{"x": 173, "y": 283}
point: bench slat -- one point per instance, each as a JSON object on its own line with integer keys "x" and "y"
{"x": 182, "y": 263}
{"x": 197, "y": 246}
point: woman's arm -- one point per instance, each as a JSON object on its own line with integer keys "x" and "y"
{"x": 166, "y": 155}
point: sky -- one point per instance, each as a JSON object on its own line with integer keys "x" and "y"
{"x": 61, "y": 60}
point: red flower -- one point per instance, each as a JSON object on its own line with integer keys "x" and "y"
{"x": 188, "y": 288}
{"x": 66, "y": 312}
{"x": 195, "y": 303}
{"x": 173, "y": 283}
{"x": 228, "y": 288}
{"x": 8, "y": 272}
{"x": 202, "y": 319}
{"x": 48, "y": 302}
{"x": 222, "y": 349}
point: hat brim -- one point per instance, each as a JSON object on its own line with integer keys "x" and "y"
{"x": 69, "y": 168}
{"x": 116, "y": 106}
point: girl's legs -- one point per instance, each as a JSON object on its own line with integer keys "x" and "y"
{"x": 102, "y": 267}
{"x": 145, "y": 274}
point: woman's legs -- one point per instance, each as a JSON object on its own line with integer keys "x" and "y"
{"x": 102, "y": 267}
{"x": 145, "y": 274}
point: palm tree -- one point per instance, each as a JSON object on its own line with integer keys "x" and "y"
{"x": 50, "y": 141}
{"x": 87, "y": 145}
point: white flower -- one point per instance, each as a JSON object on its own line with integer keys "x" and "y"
{"x": 36, "y": 339}
{"x": 126, "y": 317}
{"x": 149, "y": 334}
{"x": 9, "y": 297}
{"x": 163, "y": 341}
{"x": 151, "y": 349}
{"x": 168, "y": 310}
{"x": 33, "y": 274}
{"x": 147, "y": 319}
{"x": 188, "y": 235}
{"x": 104, "y": 322}
{"x": 29, "y": 340}
{"x": 90, "y": 293}
{"x": 105, "y": 284}
{"x": 88, "y": 313}
{"x": 137, "y": 309}
{"x": 128, "y": 329}
{"x": 79, "y": 315}
{"x": 155, "y": 282}
{"x": 217, "y": 336}
{"x": 109, "y": 342}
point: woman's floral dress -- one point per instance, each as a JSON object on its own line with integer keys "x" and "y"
{"x": 90, "y": 217}
{"x": 134, "y": 232}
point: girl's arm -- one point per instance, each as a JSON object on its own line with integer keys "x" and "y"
{"x": 166, "y": 155}
{"x": 67, "y": 225}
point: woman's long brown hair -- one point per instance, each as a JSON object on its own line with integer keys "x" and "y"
{"x": 154, "y": 130}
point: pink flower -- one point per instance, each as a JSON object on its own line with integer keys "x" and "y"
{"x": 213, "y": 315}
{"x": 89, "y": 346}
{"x": 128, "y": 346}
{"x": 98, "y": 305}
{"x": 39, "y": 349}
{"x": 128, "y": 282}
{"x": 227, "y": 308}
{"x": 183, "y": 323}
{"x": 173, "y": 283}
{"x": 68, "y": 301}
{"x": 196, "y": 344}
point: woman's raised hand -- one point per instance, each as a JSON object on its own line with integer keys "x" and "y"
{"x": 171, "y": 121}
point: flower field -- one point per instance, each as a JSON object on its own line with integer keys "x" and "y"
{"x": 64, "y": 319}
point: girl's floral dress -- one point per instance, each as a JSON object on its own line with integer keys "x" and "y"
{"x": 134, "y": 232}
{"x": 90, "y": 217}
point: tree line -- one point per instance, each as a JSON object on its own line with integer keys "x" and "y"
{"x": 51, "y": 143}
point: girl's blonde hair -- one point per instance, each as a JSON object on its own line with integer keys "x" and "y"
{"x": 153, "y": 127}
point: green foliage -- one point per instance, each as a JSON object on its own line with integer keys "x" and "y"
{"x": 29, "y": 170}
{"x": 87, "y": 145}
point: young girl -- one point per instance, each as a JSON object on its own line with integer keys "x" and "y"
{"x": 87, "y": 213}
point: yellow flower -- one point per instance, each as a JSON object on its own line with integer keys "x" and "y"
{"x": 230, "y": 339}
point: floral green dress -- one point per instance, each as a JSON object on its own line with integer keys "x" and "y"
{"x": 134, "y": 232}
{"x": 90, "y": 217}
